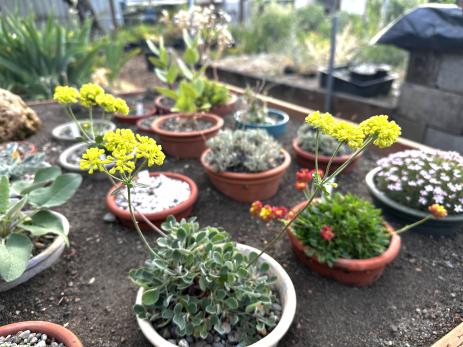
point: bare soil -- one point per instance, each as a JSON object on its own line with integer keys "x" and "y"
{"x": 418, "y": 299}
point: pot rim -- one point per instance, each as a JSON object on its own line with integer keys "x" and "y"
{"x": 360, "y": 264}
{"x": 286, "y": 291}
{"x": 323, "y": 158}
{"x": 151, "y": 111}
{"x": 247, "y": 176}
{"x": 142, "y": 128}
{"x": 156, "y": 125}
{"x": 56, "y": 132}
{"x": 64, "y": 163}
{"x": 125, "y": 214}
{"x": 284, "y": 118}
{"x": 374, "y": 190}
{"x": 233, "y": 99}
{"x": 60, "y": 333}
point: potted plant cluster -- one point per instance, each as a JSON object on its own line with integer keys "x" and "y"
{"x": 32, "y": 237}
{"x": 341, "y": 236}
{"x": 20, "y": 160}
{"x": 406, "y": 183}
{"x": 245, "y": 165}
{"x": 305, "y": 145}
{"x": 254, "y": 114}
{"x": 224, "y": 291}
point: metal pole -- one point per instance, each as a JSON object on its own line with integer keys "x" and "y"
{"x": 329, "y": 83}
{"x": 191, "y": 3}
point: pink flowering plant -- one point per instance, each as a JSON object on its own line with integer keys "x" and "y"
{"x": 418, "y": 179}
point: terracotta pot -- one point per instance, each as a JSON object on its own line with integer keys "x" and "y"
{"x": 161, "y": 106}
{"x": 182, "y": 210}
{"x": 247, "y": 187}
{"x": 188, "y": 144}
{"x": 354, "y": 272}
{"x": 144, "y": 125}
{"x": 135, "y": 118}
{"x": 225, "y": 109}
{"x": 307, "y": 159}
{"x": 60, "y": 333}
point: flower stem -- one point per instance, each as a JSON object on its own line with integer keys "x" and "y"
{"x": 92, "y": 130}
{"x": 317, "y": 143}
{"x": 74, "y": 119}
{"x": 332, "y": 157}
{"x": 410, "y": 226}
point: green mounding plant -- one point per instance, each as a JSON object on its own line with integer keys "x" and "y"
{"x": 35, "y": 59}
{"x": 25, "y": 215}
{"x": 307, "y": 140}
{"x": 14, "y": 166}
{"x": 359, "y": 227}
{"x": 198, "y": 280}
{"x": 250, "y": 150}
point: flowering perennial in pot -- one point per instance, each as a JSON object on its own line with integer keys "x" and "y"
{"x": 417, "y": 179}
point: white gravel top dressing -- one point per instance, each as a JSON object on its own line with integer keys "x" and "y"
{"x": 155, "y": 193}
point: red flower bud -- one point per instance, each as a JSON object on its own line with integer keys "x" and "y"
{"x": 255, "y": 208}
{"x": 279, "y": 212}
{"x": 300, "y": 185}
{"x": 327, "y": 233}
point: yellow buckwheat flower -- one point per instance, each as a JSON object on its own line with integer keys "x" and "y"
{"x": 386, "y": 132}
{"x": 89, "y": 93}
{"x": 322, "y": 121}
{"x": 66, "y": 95}
{"x": 150, "y": 150}
{"x": 122, "y": 140}
{"x": 347, "y": 132}
{"x": 92, "y": 160}
{"x": 107, "y": 102}
{"x": 121, "y": 106}
{"x": 123, "y": 162}
{"x": 438, "y": 211}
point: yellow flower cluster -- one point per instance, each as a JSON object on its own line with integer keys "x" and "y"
{"x": 125, "y": 149}
{"x": 385, "y": 132}
{"x": 90, "y": 95}
{"x": 438, "y": 211}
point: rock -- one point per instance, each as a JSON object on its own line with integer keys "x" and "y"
{"x": 109, "y": 218}
{"x": 183, "y": 343}
{"x": 218, "y": 344}
{"x": 25, "y": 334}
{"x": 42, "y": 343}
{"x": 165, "y": 333}
{"x": 276, "y": 307}
{"x": 233, "y": 337}
{"x": 174, "y": 342}
{"x": 17, "y": 120}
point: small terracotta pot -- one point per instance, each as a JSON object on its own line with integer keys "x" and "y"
{"x": 307, "y": 159}
{"x": 188, "y": 144}
{"x": 60, "y": 333}
{"x": 182, "y": 210}
{"x": 354, "y": 272}
{"x": 146, "y": 128}
{"x": 134, "y": 119}
{"x": 247, "y": 187}
{"x": 225, "y": 109}
{"x": 161, "y": 107}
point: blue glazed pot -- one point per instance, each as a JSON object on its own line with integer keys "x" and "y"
{"x": 273, "y": 129}
{"x": 400, "y": 213}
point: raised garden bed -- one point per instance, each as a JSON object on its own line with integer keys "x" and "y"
{"x": 418, "y": 299}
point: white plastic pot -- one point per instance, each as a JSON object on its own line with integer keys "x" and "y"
{"x": 59, "y": 132}
{"x": 41, "y": 261}
{"x": 288, "y": 301}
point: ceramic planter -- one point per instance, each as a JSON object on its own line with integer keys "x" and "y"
{"x": 144, "y": 125}
{"x": 41, "y": 261}
{"x": 66, "y": 162}
{"x": 60, "y": 333}
{"x": 133, "y": 119}
{"x": 164, "y": 106}
{"x": 307, "y": 159}
{"x": 354, "y": 272}
{"x": 187, "y": 144}
{"x": 447, "y": 226}
{"x": 247, "y": 187}
{"x": 284, "y": 287}
{"x": 69, "y": 132}
{"x": 182, "y": 210}
{"x": 275, "y": 130}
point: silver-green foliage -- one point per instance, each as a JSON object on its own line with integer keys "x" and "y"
{"x": 198, "y": 280}
{"x": 25, "y": 214}
{"x": 307, "y": 137}
{"x": 13, "y": 165}
{"x": 250, "y": 150}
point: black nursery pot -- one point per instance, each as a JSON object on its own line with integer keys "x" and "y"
{"x": 402, "y": 214}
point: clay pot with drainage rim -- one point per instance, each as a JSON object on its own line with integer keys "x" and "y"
{"x": 284, "y": 287}
{"x": 41, "y": 261}
{"x": 186, "y": 144}
{"x": 247, "y": 187}
{"x": 307, "y": 159}
{"x": 354, "y": 272}
{"x": 180, "y": 211}
{"x": 58, "y": 332}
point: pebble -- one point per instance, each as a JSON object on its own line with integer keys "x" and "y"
{"x": 109, "y": 218}
{"x": 183, "y": 343}
{"x": 29, "y": 339}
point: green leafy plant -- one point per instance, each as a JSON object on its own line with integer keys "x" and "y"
{"x": 358, "y": 228}
{"x": 253, "y": 109}
{"x": 307, "y": 140}
{"x": 15, "y": 165}
{"x": 251, "y": 150}
{"x": 35, "y": 59}
{"x": 25, "y": 215}
{"x": 199, "y": 281}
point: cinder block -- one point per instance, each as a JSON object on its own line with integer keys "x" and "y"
{"x": 431, "y": 106}
{"x": 440, "y": 139}
{"x": 423, "y": 68}
{"x": 450, "y": 74}
{"x": 411, "y": 129}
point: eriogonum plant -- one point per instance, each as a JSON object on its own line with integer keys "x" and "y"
{"x": 376, "y": 130}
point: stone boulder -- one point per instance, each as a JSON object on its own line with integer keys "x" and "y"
{"x": 17, "y": 120}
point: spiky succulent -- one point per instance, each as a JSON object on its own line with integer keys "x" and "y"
{"x": 15, "y": 164}
{"x": 251, "y": 150}
{"x": 327, "y": 144}
{"x": 198, "y": 280}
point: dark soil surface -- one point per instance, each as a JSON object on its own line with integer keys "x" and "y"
{"x": 417, "y": 300}
{"x": 185, "y": 124}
